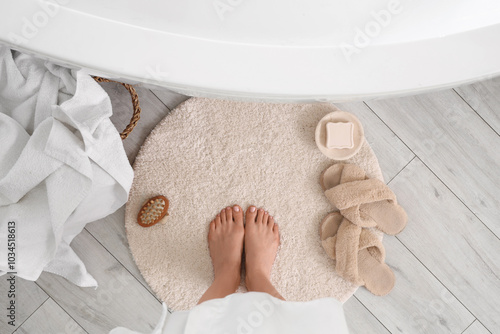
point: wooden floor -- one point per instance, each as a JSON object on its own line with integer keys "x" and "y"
{"x": 440, "y": 153}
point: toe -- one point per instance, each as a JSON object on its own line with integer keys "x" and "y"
{"x": 217, "y": 222}
{"x": 211, "y": 230}
{"x": 265, "y": 218}
{"x": 238, "y": 214}
{"x": 223, "y": 217}
{"x": 251, "y": 214}
{"x": 276, "y": 231}
{"x": 229, "y": 214}
{"x": 270, "y": 223}
{"x": 260, "y": 216}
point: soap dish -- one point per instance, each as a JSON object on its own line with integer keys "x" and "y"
{"x": 339, "y": 121}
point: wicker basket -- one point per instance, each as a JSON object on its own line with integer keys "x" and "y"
{"x": 135, "y": 103}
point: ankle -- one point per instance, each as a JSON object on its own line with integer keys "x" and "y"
{"x": 255, "y": 280}
{"x": 228, "y": 277}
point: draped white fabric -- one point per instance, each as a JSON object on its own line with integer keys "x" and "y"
{"x": 62, "y": 164}
{"x": 253, "y": 313}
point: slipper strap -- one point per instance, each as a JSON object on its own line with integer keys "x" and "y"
{"x": 369, "y": 240}
{"x": 348, "y": 198}
{"x": 346, "y": 251}
{"x": 344, "y": 247}
{"x": 341, "y": 173}
{"x": 352, "y": 173}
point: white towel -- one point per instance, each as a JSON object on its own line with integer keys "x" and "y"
{"x": 253, "y": 312}
{"x": 62, "y": 164}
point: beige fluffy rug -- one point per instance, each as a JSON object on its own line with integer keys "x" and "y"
{"x": 208, "y": 154}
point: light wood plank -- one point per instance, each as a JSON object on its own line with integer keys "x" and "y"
{"x": 391, "y": 152}
{"x": 459, "y": 250}
{"x": 50, "y": 318}
{"x": 454, "y": 142}
{"x": 419, "y": 303}
{"x": 360, "y": 320}
{"x": 476, "y": 328}
{"x": 110, "y": 232}
{"x": 28, "y": 297}
{"x": 153, "y": 111}
{"x": 120, "y": 300}
{"x": 169, "y": 98}
{"x": 484, "y": 97}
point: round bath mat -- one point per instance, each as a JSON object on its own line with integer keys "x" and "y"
{"x": 208, "y": 154}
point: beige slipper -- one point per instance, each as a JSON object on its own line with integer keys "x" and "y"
{"x": 365, "y": 202}
{"x": 340, "y": 121}
{"x": 358, "y": 252}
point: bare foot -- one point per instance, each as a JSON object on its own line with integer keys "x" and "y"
{"x": 261, "y": 244}
{"x": 225, "y": 241}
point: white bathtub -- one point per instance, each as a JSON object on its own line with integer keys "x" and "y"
{"x": 281, "y": 50}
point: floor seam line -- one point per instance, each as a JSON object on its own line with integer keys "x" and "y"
{"x": 169, "y": 110}
{"x": 475, "y": 111}
{"x": 433, "y": 275}
{"x": 409, "y": 162}
{"x": 461, "y": 201}
{"x": 62, "y": 308}
{"x": 122, "y": 265}
{"x": 48, "y": 297}
{"x": 444, "y": 183}
{"x": 469, "y": 325}
{"x": 366, "y": 308}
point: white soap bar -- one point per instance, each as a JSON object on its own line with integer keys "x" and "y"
{"x": 339, "y": 135}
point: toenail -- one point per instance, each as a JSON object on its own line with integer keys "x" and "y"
{"x": 252, "y": 209}
{"x": 237, "y": 209}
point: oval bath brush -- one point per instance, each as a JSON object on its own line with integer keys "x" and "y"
{"x": 153, "y": 211}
